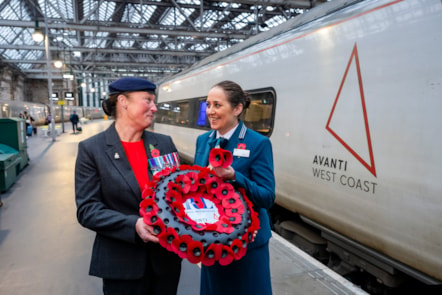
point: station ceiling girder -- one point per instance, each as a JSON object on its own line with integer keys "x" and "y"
{"x": 111, "y": 37}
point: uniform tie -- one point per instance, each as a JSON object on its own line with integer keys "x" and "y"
{"x": 222, "y": 142}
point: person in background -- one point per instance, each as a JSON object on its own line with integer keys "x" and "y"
{"x": 74, "y": 120}
{"x": 28, "y": 120}
{"x": 48, "y": 119}
{"x": 111, "y": 171}
{"x": 252, "y": 169}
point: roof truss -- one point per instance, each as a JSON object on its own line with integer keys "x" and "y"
{"x": 111, "y": 38}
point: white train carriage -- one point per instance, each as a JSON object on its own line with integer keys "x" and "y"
{"x": 12, "y": 108}
{"x": 350, "y": 95}
{"x": 39, "y": 111}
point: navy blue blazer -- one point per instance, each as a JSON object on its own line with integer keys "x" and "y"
{"x": 254, "y": 173}
{"x": 108, "y": 198}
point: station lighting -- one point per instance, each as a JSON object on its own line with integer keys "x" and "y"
{"x": 58, "y": 63}
{"x": 37, "y": 36}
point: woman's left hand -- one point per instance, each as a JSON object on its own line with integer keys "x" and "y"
{"x": 145, "y": 231}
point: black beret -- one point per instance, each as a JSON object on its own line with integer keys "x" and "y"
{"x": 130, "y": 84}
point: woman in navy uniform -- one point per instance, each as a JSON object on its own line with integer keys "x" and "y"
{"x": 110, "y": 173}
{"x": 252, "y": 169}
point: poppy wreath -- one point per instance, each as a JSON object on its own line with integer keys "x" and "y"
{"x": 223, "y": 238}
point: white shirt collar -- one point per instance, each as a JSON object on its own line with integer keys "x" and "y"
{"x": 228, "y": 134}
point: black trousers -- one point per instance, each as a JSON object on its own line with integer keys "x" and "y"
{"x": 162, "y": 276}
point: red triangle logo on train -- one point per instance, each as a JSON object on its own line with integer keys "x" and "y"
{"x": 351, "y": 97}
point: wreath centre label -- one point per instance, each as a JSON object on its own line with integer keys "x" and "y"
{"x": 201, "y": 210}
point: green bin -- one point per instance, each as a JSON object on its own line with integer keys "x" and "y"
{"x": 6, "y": 149}
{"x": 9, "y": 166}
{"x": 13, "y": 134}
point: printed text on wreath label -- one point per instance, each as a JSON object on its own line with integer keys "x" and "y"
{"x": 339, "y": 176}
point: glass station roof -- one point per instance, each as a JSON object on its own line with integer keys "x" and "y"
{"x": 111, "y": 37}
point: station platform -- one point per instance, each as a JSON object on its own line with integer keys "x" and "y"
{"x": 45, "y": 251}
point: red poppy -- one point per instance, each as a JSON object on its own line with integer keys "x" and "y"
{"x": 212, "y": 254}
{"x": 195, "y": 252}
{"x": 173, "y": 196}
{"x": 155, "y": 153}
{"x": 232, "y": 202}
{"x": 241, "y": 146}
{"x": 194, "y": 183}
{"x": 155, "y": 222}
{"x": 174, "y": 186}
{"x": 216, "y": 157}
{"x": 178, "y": 208}
{"x": 211, "y": 226}
{"x": 224, "y": 190}
{"x": 224, "y": 226}
{"x": 237, "y": 247}
{"x": 152, "y": 184}
{"x": 167, "y": 237}
{"x": 233, "y": 211}
{"x": 235, "y": 218}
{"x": 212, "y": 184}
{"x": 227, "y": 255}
{"x": 184, "y": 181}
{"x": 148, "y": 193}
{"x": 181, "y": 245}
{"x": 220, "y": 158}
{"x": 148, "y": 207}
{"x": 228, "y": 159}
{"x": 254, "y": 226}
{"x": 159, "y": 227}
{"x": 204, "y": 175}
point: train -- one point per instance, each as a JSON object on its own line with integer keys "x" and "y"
{"x": 40, "y": 112}
{"x": 349, "y": 94}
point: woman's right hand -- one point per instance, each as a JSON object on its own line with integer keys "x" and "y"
{"x": 145, "y": 231}
{"x": 226, "y": 173}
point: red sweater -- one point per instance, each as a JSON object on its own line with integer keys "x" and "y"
{"x": 136, "y": 154}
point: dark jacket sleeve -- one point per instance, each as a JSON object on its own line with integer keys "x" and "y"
{"x": 100, "y": 204}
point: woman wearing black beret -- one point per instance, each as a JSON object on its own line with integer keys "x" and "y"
{"x": 110, "y": 173}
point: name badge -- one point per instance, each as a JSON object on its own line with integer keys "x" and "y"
{"x": 241, "y": 153}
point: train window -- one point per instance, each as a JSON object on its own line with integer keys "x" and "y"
{"x": 175, "y": 113}
{"x": 4, "y": 110}
{"x": 162, "y": 114}
{"x": 192, "y": 112}
{"x": 202, "y": 116}
{"x": 259, "y": 115}
{"x": 181, "y": 111}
